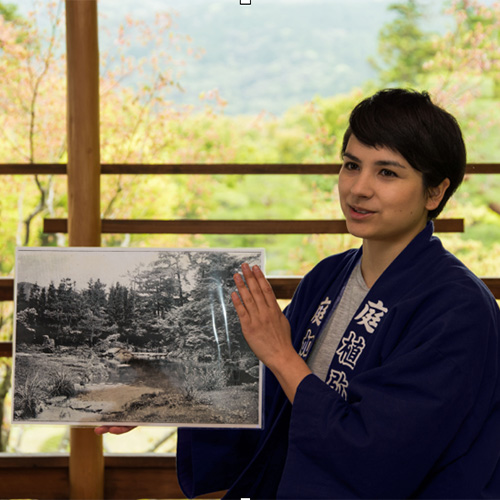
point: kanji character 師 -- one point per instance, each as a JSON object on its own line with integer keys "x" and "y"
{"x": 338, "y": 381}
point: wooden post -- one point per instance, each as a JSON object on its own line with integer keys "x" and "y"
{"x": 86, "y": 463}
{"x": 83, "y": 123}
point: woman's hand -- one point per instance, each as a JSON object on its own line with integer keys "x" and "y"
{"x": 264, "y": 326}
{"x": 266, "y": 329}
{"x": 113, "y": 429}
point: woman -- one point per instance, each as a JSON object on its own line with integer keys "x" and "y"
{"x": 383, "y": 372}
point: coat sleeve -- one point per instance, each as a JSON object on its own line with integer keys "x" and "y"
{"x": 402, "y": 416}
{"x": 210, "y": 460}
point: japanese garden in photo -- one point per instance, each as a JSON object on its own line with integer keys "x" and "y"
{"x": 133, "y": 337}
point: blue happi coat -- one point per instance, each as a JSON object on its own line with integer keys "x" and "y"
{"x": 410, "y": 406}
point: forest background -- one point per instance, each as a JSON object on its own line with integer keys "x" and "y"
{"x": 150, "y": 73}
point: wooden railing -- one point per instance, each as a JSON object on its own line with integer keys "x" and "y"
{"x": 153, "y": 475}
{"x": 45, "y": 476}
{"x": 207, "y": 169}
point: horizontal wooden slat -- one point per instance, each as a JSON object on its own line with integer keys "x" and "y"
{"x": 494, "y": 285}
{"x": 5, "y": 349}
{"x": 33, "y": 169}
{"x": 6, "y": 287}
{"x": 225, "y": 169}
{"x": 126, "y": 476}
{"x": 230, "y": 226}
{"x": 207, "y": 169}
{"x": 284, "y": 288}
{"x": 174, "y": 169}
{"x": 483, "y": 168}
{"x": 34, "y": 476}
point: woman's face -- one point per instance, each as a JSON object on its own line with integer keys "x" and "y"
{"x": 382, "y": 196}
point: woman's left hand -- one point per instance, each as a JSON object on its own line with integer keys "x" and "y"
{"x": 266, "y": 329}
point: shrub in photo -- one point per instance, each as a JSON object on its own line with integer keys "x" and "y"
{"x": 28, "y": 396}
{"x": 62, "y": 384}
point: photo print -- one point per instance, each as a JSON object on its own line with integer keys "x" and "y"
{"x": 107, "y": 336}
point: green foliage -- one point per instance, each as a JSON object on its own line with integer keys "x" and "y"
{"x": 403, "y": 47}
{"x": 55, "y": 443}
{"x": 139, "y": 123}
{"x": 9, "y": 12}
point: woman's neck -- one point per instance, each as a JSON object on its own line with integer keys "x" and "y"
{"x": 377, "y": 257}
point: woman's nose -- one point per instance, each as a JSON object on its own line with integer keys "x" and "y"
{"x": 362, "y": 185}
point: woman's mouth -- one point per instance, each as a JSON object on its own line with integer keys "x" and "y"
{"x": 359, "y": 213}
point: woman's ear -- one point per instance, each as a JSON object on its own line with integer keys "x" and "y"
{"x": 435, "y": 194}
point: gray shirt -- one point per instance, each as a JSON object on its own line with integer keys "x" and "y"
{"x": 324, "y": 348}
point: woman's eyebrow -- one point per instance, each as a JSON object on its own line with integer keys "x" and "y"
{"x": 389, "y": 163}
{"x": 380, "y": 163}
{"x": 351, "y": 156}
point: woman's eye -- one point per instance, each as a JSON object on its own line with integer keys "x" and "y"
{"x": 349, "y": 165}
{"x": 388, "y": 173}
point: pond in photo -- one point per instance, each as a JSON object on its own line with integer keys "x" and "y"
{"x": 83, "y": 387}
{"x": 132, "y": 336}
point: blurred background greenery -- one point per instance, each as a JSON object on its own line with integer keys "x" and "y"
{"x": 221, "y": 83}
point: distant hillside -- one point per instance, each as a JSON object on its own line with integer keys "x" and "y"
{"x": 271, "y": 58}
{"x": 271, "y": 54}
{"x": 277, "y": 53}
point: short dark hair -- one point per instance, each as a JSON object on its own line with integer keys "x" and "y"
{"x": 408, "y": 122}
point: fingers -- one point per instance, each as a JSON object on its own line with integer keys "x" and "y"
{"x": 257, "y": 291}
{"x": 250, "y": 292}
{"x": 266, "y": 289}
{"x": 256, "y": 294}
{"x": 113, "y": 429}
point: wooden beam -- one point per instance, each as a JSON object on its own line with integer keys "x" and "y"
{"x": 86, "y": 461}
{"x": 223, "y": 169}
{"x": 284, "y": 288}
{"x": 120, "y": 226}
{"x": 5, "y": 349}
{"x": 33, "y": 169}
{"x": 494, "y": 285}
{"x": 6, "y": 289}
{"x": 34, "y": 476}
{"x": 135, "y": 476}
{"x": 483, "y": 168}
{"x": 207, "y": 169}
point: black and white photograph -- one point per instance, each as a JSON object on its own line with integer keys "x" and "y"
{"x": 132, "y": 337}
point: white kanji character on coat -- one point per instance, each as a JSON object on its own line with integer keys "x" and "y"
{"x": 350, "y": 350}
{"x": 307, "y": 343}
{"x": 371, "y": 315}
{"x": 321, "y": 311}
{"x": 338, "y": 381}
